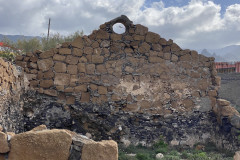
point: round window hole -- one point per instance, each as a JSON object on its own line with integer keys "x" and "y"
{"x": 119, "y": 28}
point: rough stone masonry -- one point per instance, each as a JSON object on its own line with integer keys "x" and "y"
{"x": 132, "y": 87}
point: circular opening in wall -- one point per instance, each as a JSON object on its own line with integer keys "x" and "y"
{"x": 119, "y": 28}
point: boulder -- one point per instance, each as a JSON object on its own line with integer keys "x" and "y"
{"x": 46, "y": 144}
{"x": 104, "y": 150}
{"x": 223, "y": 102}
{"x": 237, "y": 155}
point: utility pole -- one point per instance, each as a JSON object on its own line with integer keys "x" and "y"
{"x": 48, "y": 28}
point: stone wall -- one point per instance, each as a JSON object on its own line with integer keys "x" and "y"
{"x": 12, "y": 84}
{"x": 132, "y": 87}
{"x": 139, "y": 68}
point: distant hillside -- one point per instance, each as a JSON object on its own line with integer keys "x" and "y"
{"x": 228, "y": 54}
{"x": 15, "y": 38}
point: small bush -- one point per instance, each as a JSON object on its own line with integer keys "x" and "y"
{"x": 171, "y": 157}
{"x": 143, "y": 156}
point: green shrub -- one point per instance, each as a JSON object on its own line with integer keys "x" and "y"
{"x": 171, "y": 157}
{"x": 161, "y": 150}
{"x": 143, "y": 156}
{"x": 200, "y": 156}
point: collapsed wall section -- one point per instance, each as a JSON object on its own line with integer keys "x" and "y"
{"x": 132, "y": 87}
{"x": 11, "y": 86}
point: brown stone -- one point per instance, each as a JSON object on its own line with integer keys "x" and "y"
{"x": 138, "y": 38}
{"x": 33, "y": 65}
{"x": 102, "y": 34}
{"x": 169, "y": 42}
{"x": 88, "y": 50}
{"x": 58, "y": 57}
{"x": 102, "y": 90}
{"x": 133, "y": 107}
{"x": 145, "y": 104}
{"x": 163, "y": 41}
{"x": 157, "y": 47}
{"x": 50, "y": 92}
{"x": 33, "y": 59}
{"x": 45, "y": 64}
{"x": 152, "y": 37}
{"x": 60, "y": 67}
{"x": 186, "y": 57}
{"x": 116, "y": 37}
{"x": 144, "y": 48}
{"x": 78, "y": 42}
{"x": 101, "y": 69}
{"x": 29, "y": 77}
{"x": 48, "y": 74}
{"x": 97, "y": 59}
{"x": 104, "y": 150}
{"x": 62, "y": 79}
{"x": 167, "y": 56}
{"x": 203, "y": 84}
{"x": 47, "y": 144}
{"x": 105, "y": 44}
{"x": 95, "y": 44}
{"x": 46, "y": 54}
{"x": 46, "y": 83}
{"x": 174, "y": 58}
{"x": 34, "y": 83}
{"x": 65, "y": 51}
{"x": 223, "y": 102}
{"x": 195, "y": 74}
{"x": 97, "y": 51}
{"x": 141, "y": 30}
{"x": 4, "y": 147}
{"x": 188, "y": 103}
{"x": 72, "y": 69}
{"x": 156, "y": 60}
{"x": 212, "y": 93}
{"x": 128, "y": 38}
{"x": 72, "y": 59}
{"x": 228, "y": 111}
{"x": 77, "y": 52}
{"x": 90, "y": 68}
{"x": 70, "y": 100}
{"x": 26, "y": 59}
{"x": 81, "y": 88}
{"x": 194, "y": 55}
{"x": 166, "y": 49}
{"x": 19, "y": 58}
{"x": 81, "y": 68}
{"x": 83, "y": 60}
{"x": 175, "y": 48}
{"x": 85, "y": 97}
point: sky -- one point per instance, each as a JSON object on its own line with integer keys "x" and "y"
{"x": 193, "y": 24}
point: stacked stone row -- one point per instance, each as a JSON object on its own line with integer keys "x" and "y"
{"x": 8, "y": 77}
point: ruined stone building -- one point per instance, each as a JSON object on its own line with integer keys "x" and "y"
{"x": 132, "y": 87}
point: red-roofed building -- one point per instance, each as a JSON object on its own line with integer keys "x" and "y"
{"x": 1, "y": 44}
{"x": 227, "y": 67}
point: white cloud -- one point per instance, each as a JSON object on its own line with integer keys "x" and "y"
{"x": 198, "y": 24}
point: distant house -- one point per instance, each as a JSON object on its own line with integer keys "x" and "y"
{"x": 227, "y": 67}
{"x": 4, "y": 47}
